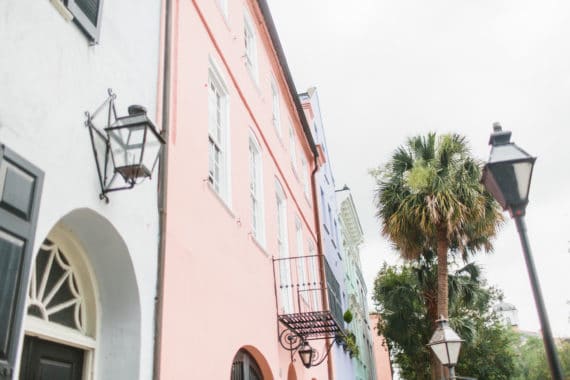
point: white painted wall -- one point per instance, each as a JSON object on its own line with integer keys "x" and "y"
{"x": 49, "y": 76}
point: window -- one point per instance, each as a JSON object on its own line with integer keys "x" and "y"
{"x": 305, "y": 176}
{"x": 250, "y": 45}
{"x": 87, "y": 15}
{"x": 275, "y": 101}
{"x": 301, "y": 274}
{"x": 217, "y": 135}
{"x": 293, "y": 147}
{"x": 223, "y": 4}
{"x": 283, "y": 249}
{"x": 330, "y": 218}
{"x": 256, "y": 191}
{"x": 244, "y": 367}
{"x": 323, "y": 212}
{"x": 314, "y": 281}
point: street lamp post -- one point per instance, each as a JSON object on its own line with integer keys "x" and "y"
{"x": 507, "y": 177}
{"x": 445, "y": 344}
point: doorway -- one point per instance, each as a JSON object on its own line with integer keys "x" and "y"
{"x": 45, "y": 360}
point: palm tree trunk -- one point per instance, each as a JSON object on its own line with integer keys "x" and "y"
{"x": 442, "y": 292}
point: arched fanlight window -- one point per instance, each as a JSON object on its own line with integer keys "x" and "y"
{"x": 54, "y": 295}
{"x": 244, "y": 367}
{"x": 61, "y": 292}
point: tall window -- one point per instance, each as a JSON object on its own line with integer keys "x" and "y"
{"x": 283, "y": 249}
{"x": 323, "y": 210}
{"x": 224, "y": 7}
{"x": 256, "y": 191}
{"x": 276, "y": 116}
{"x": 217, "y": 135}
{"x": 314, "y": 281}
{"x": 250, "y": 45}
{"x": 301, "y": 273}
{"x": 305, "y": 176}
{"x": 293, "y": 147}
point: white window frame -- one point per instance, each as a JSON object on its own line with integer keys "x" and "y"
{"x": 283, "y": 250}
{"x": 305, "y": 176}
{"x": 223, "y": 5}
{"x": 250, "y": 45}
{"x": 301, "y": 270}
{"x": 315, "y": 283}
{"x": 218, "y": 134}
{"x": 293, "y": 147}
{"x": 256, "y": 190}
{"x": 276, "y": 110}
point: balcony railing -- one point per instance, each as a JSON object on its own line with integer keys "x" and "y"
{"x": 299, "y": 289}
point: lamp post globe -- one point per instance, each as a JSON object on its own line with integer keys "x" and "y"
{"x": 508, "y": 172}
{"x": 445, "y": 343}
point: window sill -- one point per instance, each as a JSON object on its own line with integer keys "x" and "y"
{"x": 221, "y": 200}
{"x": 259, "y": 245}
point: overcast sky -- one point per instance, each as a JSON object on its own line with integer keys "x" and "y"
{"x": 386, "y": 70}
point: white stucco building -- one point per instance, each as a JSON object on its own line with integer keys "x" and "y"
{"x": 85, "y": 282}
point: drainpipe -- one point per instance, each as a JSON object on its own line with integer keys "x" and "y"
{"x": 162, "y": 188}
{"x": 320, "y": 250}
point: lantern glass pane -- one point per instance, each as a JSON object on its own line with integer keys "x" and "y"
{"x": 151, "y": 151}
{"x": 306, "y": 356}
{"x": 440, "y": 351}
{"x": 126, "y": 145}
{"x": 453, "y": 348}
{"x": 523, "y": 172}
{"x": 505, "y": 178}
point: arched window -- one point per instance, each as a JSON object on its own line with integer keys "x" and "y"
{"x": 244, "y": 367}
{"x": 61, "y": 316}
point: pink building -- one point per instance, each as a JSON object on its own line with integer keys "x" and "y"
{"x": 381, "y": 353}
{"x": 240, "y": 202}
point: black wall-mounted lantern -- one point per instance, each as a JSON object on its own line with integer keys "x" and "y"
{"x": 294, "y": 342}
{"x": 127, "y": 147}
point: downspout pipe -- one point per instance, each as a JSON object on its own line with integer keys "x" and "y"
{"x": 324, "y": 294}
{"x": 162, "y": 188}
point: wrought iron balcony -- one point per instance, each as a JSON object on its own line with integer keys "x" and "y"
{"x": 299, "y": 289}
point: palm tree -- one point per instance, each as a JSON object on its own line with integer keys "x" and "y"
{"x": 428, "y": 197}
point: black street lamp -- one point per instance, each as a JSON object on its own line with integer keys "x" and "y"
{"x": 445, "y": 344}
{"x": 507, "y": 177}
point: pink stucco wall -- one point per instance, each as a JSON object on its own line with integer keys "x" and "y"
{"x": 219, "y": 293}
{"x": 381, "y": 354}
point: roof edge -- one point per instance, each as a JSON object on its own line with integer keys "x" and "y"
{"x": 264, "y": 7}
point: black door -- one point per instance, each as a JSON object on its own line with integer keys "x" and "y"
{"x": 43, "y": 360}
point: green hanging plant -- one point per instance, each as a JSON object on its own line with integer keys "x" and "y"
{"x": 347, "y": 316}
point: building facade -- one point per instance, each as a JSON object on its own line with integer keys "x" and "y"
{"x": 329, "y": 225}
{"x": 242, "y": 260}
{"x": 77, "y": 274}
{"x": 352, "y": 238}
{"x": 381, "y": 352}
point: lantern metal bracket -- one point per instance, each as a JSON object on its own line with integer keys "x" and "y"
{"x": 292, "y": 342}
{"x": 300, "y": 328}
{"x": 101, "y": 144}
